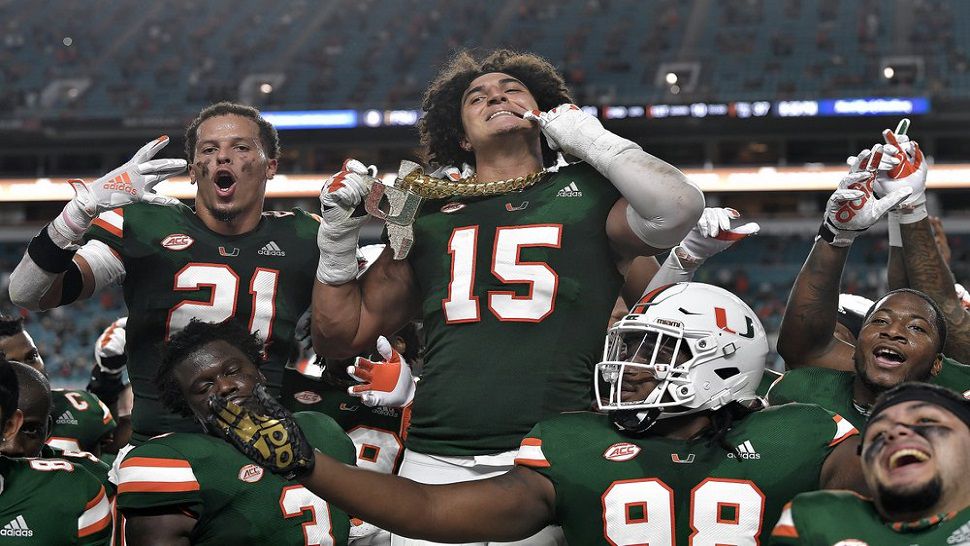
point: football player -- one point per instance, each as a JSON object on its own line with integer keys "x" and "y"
{"x": 17, "y": 344}
{"x": 685, "y": 452}
{"x": 224, "y": 258}
{"x": 46, "y": 501}
{"x": 917, "y": 258}
{"x": 523, "y": 253}
{"x": 901, "y": 338}
{"x": 914, "y": 457}
{"x": 35, "y": 403}
{"x": 195, "y": 488}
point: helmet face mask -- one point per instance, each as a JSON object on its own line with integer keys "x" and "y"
{"x": 675, "y": 354}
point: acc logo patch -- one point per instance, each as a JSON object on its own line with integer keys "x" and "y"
{"x": 251, "y": 473}
{"x": 450, "y": 208}
{"x": 620, "y": 452}
{"x": 851, "y": 542}
{"x": 307, "y": 397}
{"x": 177, "y": 241}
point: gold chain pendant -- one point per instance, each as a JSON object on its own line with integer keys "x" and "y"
{"x": 437, "y": 188}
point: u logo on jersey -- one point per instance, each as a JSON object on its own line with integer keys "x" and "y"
{"x": 720, "y": 317}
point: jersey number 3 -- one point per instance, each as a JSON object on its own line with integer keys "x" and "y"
{"x": 223, "y": 283}
{"x": 462, "y": 304}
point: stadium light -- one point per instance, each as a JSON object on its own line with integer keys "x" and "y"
{"x": 266, "y": 88}
{"x": 671, "y": 78}
{"x": 888, "y": 72}
{"x": 67, "y": 41}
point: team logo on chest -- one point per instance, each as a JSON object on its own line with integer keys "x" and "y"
{"x": 228, "y": 253}
{"x": 250, "y": 473}
{"x": 675, "y": 457}
{"x": 451, "y": 208}
{"x": 307, "y": 397}
{"x": 622, "y": 451}
{"x": 177, "y": 241}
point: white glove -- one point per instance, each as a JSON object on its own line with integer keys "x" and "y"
{"x": 905, "y": 167}
{"x": 387, "y": 383}
{"x": 337, "y": 236}
{"x": 713, "y": 233}
{"x": 130, "y": 183}
{"x": 570, "y": 129}
{"x": 853, "y": 208}
{"x": 109, "y": 349}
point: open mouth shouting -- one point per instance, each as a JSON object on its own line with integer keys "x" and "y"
{"x": 887, "y": 357}
{"x": 906, "y": 459}
{"x": 225, "y": 182}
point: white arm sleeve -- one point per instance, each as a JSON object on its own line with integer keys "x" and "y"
{"x": 664, "y": 203}
{"x": 29, "y": 283}
{"x": 106, "y": 266}
{"x": 676, "y": 268}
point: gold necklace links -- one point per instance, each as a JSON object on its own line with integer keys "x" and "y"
{"x": 437, "y": 188}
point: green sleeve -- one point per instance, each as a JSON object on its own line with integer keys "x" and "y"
{"x": 157, "y": 475}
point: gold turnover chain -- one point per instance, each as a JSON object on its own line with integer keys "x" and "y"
{"x": 436, "y": 188}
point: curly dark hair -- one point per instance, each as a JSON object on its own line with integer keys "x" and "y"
{"x": 267, "y": 133}
{"x": 190, "y": 339}
{"x": 10, "y": 326}
{"x": 441, "y": 129}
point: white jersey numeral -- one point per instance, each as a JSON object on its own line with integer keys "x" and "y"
{"x": 462, "y": 305}
{"x": 76, "y": 400}
{"x": 377, "y": 449}
{"x": 223, "y": 284}
{"x": 722, "y": 512}
{"x": 295, "y": 500}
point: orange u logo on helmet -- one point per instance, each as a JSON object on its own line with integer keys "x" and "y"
{"x": 720, "y": 318}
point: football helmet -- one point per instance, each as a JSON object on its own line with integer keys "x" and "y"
{"x": 683, "y": 348}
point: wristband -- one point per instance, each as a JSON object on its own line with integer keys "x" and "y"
{"x": 895, "y": 236}
{"x": 47, "y": 255}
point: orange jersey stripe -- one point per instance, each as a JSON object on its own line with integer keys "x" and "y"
{"x": 532, "y": 442}
{"x": 158, "y": 487}
{"x": 784, "y": 531}
{"x": 534, "y": 463}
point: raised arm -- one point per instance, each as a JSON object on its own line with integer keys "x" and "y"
{"x": 928, "y": 273}
{"x": 660, "y": 203}
{"x": 509, "y": 507}
{"x": 56, "y": 269}
{"x": 348, "y": 313}
{"x": 807, "y": 329}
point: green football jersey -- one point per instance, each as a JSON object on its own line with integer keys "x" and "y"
{"x": 517, "y": 291}
{"x": 176, "y": 269}
{"x": 98, "y": 468}
{"x": 51, "y": 502}
{"x": 234, "y": 500}
{"x": 613, "y": 488}
{"x": 80, "y": 420}
{"x": 832, "y": 389}
{"x": 377, "y": 432}
{"x": 842, "y": 518}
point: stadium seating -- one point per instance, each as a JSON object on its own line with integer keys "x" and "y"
{"x": 115, "y": 59}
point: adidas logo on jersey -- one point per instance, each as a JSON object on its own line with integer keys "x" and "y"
{"x": 16, "y": 528}
{"x": 66, "y": 418}
{"x": 746, "y": 451}
{"x": 960, "y": 537}
{"x": 271, "y": 249}
{"x": 572, "y": 190}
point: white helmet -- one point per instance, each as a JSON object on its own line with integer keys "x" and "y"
{"x": 701, "y": 345}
